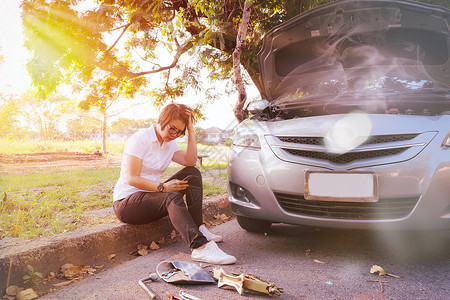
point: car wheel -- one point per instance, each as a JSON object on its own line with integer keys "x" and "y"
{"x": 253, "y": 225}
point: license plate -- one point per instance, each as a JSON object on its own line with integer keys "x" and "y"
{"x": 341, "y": 186}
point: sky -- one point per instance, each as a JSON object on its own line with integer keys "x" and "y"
{"x": 14, "y": 78}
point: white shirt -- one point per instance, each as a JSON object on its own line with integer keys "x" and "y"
{"x": 155, "y": 159}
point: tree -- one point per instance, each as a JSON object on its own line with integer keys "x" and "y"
{"x": 66, "y": 41}
{"x": 104, "y": 91}
{"x": 9, "y": 110}
{"x": 200, "y": 134}
{"x": 182, "y": 40}
{"x": 44, "y": 114}
{"x": 82, "y": 125}
{"x": 127, "y": 126}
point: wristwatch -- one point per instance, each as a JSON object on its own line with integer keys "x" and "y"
{"x": 160, "y": 187}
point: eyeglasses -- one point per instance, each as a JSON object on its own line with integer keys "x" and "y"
{"x": 174, "y": 130}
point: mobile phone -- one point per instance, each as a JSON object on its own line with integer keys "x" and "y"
{"x": 189, "y": 177}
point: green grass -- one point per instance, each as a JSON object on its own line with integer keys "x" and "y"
{"x": 43, "y": 204}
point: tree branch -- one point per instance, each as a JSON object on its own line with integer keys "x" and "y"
{"x": 239, "y": 111}
{"x": 118, "y": 39}
{"x": 176, "y": 58}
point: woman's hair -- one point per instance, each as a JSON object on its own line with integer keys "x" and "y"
{"x": 175, "y": 111}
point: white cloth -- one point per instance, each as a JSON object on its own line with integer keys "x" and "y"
{"x": 155, "y": 160}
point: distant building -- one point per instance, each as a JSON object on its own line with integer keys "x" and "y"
{"x": 217, "y": 135}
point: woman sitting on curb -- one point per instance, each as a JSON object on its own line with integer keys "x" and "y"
{"x": 140, "y": 197}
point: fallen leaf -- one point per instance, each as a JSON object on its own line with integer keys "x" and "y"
{"x": 222, "y": 217}
{"x": 140, "y": 246}
{"x": 72, "y": 272}
{"x": 318, "y": 261}
{"x": 13, "y": 290}
{"x": 65, "y": 267}
{"x": 111, "y": 256}
{"x": 98, "y": 267}
{"x": 160, "y": 241}
{"x": 143, "y": 251}
{"x": 377, "y": 269}
{"x": 51, "y": 275}
{"x": 154, "y": 246}
{"x": 27, "y": 294}
{"x": 64, "y": 283}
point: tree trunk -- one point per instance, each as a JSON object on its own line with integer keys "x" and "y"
{"x": 239, "y": 111}
{"x": 104, "y": 134}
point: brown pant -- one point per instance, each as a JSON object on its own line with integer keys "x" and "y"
{"x": 186, "y": 217}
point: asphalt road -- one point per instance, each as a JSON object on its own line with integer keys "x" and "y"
{"x": 290, "y": 257}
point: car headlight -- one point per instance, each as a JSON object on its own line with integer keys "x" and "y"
{"x": 446, "y": 142}
{"x": 247, "y": 140}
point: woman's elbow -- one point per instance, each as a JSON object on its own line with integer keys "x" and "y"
{"x": 191, "y": 163}
{"x": 131, "y": 180}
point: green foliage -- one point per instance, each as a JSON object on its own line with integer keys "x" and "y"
{"x": 109, "y": 46}
{"x": 9, "y": 126}
{"x": 66, "y": 41}
{"x": 228, "y": 142}
{"x": 128, "y": 126}
{"x": 44, "y": 114}
{"x": 31, "y": 276}
{"x": 200, "y": 134}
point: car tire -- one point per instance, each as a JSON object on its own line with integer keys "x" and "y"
{"x": 253, "y": 225}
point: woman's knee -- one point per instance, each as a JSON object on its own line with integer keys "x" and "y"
{"x": 175, "y": 198}
{"x": 193, "y": 171}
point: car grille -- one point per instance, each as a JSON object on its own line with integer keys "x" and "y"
{"x": 394, "y": 208}
{"x": 295, "y": 148}
{"x": 346, "y": 157}
{"x": 376, "y": 139}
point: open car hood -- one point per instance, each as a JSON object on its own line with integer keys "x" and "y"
{"x": 345, "y": 43}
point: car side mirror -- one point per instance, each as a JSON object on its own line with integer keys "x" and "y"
{"x": 257, "y": 106}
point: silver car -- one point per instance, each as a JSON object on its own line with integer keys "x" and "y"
{"x": 355, "y": 128}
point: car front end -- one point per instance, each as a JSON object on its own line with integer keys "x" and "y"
{"x": 356, "y": 129}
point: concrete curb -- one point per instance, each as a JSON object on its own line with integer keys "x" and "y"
{"x": 82, "y": 246}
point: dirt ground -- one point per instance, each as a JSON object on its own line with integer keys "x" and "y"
{"x": 41, "y": 162}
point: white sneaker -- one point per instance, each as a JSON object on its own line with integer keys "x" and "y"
{"x": 213, "y": 255}
{"x": 209, "y": 235}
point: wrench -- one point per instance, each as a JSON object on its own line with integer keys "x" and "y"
{"x": 152, "y": 277}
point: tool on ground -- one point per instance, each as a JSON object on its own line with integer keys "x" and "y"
{"x": 186, "y": 296}
{"x": 183, "y": 272}
{"x": 173, "y": 297}
{"x": 152, "y": 277}
{"x": 236, "y": 281}
{"x": 249, "y": 282}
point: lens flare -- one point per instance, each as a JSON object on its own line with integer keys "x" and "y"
{"x": 348, "y": 133}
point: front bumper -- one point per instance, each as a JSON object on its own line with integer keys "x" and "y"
{"x": 414, "y": 194}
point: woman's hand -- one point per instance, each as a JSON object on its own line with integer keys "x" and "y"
{"x": 175, "y": 185}
{"x": 190, "y": 126}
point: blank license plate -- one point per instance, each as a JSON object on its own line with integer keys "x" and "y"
{"x": 341, "y": 186}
